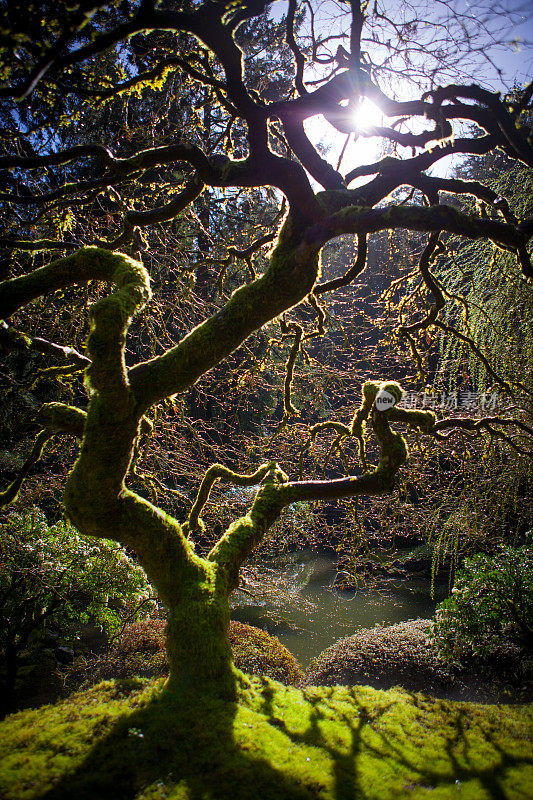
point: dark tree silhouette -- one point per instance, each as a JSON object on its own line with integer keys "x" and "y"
{"x": 80, "y": 61}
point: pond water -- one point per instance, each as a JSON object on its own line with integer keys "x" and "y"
{"x": 301, "y": 606}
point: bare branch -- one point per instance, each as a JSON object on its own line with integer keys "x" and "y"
{"x": 10, "y": 494}
{"x": 11, "y": 339}
{"x": 351, "y": 274}
{"x": 299, "y": 58}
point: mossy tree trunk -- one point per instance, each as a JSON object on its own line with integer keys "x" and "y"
{"x": 195, "y": 590}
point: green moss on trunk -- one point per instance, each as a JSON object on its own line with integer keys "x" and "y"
{"x": 197, "y": 640}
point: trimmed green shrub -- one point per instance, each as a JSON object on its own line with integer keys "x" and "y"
{"x": 491, "y": 606}
{"x": 140, "y": 651}
{"x": 52, "y": 583}
{"x": 257, "y": 652}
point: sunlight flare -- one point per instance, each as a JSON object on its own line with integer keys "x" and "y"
{"x": 366, "y": 116}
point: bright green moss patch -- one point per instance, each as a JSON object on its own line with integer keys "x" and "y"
{"x": 137, "y": 741}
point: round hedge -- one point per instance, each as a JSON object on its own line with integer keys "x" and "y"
{"x": 382, "y": 657}
{"x": 257, "y": 652}
{"x": 140, "y": 651}
{"x": 404, "y": 655}
{"x": 398, "y": 655}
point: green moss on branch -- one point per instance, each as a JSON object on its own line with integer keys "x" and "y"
{"x": 220, "y": 472}
{"x": 86, "y": 264}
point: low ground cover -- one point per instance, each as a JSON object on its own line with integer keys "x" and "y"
{"x": 133, "y": 740}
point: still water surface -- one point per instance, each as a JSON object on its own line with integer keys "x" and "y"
{"x": 308, "y": 614}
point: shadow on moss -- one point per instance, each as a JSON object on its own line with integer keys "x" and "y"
{"x": 171, "y": 749}
{"x": 134, "y": 741}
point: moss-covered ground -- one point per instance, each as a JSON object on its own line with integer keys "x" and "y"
{"x": 132, "y": 739}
